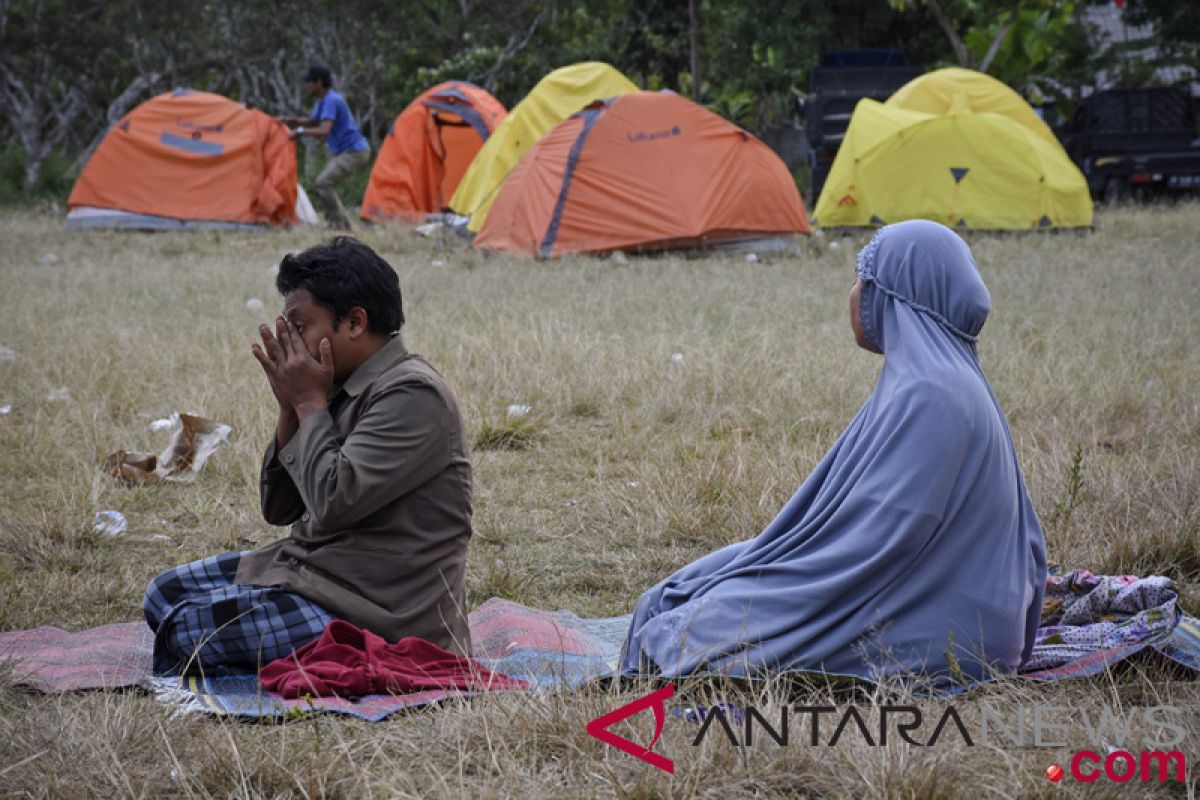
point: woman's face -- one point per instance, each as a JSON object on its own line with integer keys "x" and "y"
{"x": 860, "y": 334}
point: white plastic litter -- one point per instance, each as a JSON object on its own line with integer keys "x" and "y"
{"x": 834, "y": 245}
{"x": 304, "y": 208}
{"x": 6, "y": 408}
{"x": 172, "y": 692}
{"x": 676, "y": 358}
{"x": 8, "y": 354}
{"x": 437, "y": 262}
{"x": 620, "y": 257}
{"x": 48, "y": 258}
{"x": 109, "y": 523}
{"x": 752, "y": 257}
{"x": 518, "y": 410}
{"x": 254, "y": 304}
{"x": 59, "y": 394}
{"x": 193, "y": 440}
{"x": 429, "y": 228}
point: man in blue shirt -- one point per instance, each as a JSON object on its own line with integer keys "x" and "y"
{"x": 331, "y": 120}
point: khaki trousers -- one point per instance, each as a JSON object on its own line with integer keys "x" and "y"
{"x": 325, "y": 188}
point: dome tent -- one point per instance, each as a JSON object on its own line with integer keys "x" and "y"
{"x": 186, "y": 159}
{"x": 427, "y": 151}
{"x": 957, "y": 147}
{"x": 556, "y": 97}
{"x": 643, "y": 171}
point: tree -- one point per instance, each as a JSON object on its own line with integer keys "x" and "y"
{"x": 1043, "y": 41}
{"x": 1178, "y": 23}
{"x": 756, "y": 69}
{"x": 43, "y": 79}
{"x": 977, "y": 29}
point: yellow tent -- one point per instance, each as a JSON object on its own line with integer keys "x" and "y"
{"x": 556, "y": 97}
{"x": 957, "y": 147}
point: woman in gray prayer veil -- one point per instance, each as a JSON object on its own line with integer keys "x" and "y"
{"x": 913, "y": 547}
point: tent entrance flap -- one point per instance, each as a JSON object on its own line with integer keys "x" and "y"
{"x": 427, "y": 151}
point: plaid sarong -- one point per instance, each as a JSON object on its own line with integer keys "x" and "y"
{"x": 204, "y": 623}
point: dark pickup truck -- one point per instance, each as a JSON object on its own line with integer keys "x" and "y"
{"x": 1136, "y": 142}
{"x": 834, "y": 89}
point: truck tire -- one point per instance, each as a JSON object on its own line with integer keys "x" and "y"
{"x": 1116, "y": 191}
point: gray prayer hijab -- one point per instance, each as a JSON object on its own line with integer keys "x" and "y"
{"x": 912, "y": 545}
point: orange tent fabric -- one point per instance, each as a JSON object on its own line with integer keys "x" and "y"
{"x": 428, "y": 149}
{"x": 648, "y": 170}
{"x": 193, "y": 156}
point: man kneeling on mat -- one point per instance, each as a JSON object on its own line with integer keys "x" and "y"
{"x": 368, "y": 465}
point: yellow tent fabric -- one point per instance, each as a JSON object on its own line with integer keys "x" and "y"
{"x": 963, "y": 91}
{"x": 957, "y": 147}
{"x": 556, "y": 97}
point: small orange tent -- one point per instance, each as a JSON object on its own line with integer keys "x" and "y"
{"x": 428, "y": 149}
{"x": 189, "y": 156}
{"x": 644, "y": 171}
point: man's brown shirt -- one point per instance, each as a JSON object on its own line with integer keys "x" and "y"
{"x": 378, "y": 492}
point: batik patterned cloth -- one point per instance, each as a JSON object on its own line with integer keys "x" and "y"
{"x": 204, "y": 623}
{"x": 1098, "y": 619}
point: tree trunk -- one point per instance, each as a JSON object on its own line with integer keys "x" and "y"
{"x": 694, "y": 37}
{"x": 1001, "y": 32}
{"x": 33, "y": 167}
{"x": 40, "y": 117}
{"x": 960, "y": 48}
{"x": 491, "y": 77}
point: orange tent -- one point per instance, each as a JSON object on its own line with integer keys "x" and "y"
{"x": 644, "y": 171}
{"x": 428, "y": 149}
{"x": 189, "y": 156}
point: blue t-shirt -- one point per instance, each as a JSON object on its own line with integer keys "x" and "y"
{"x": 344, "y": 135}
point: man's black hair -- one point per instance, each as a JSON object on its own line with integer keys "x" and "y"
{"x": 320, "y": 73}
{"x": 344, "y": 273}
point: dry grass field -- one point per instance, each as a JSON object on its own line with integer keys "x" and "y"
{"x": 631, "y": 464}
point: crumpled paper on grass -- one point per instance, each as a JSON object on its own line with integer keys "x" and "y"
{"x": 193, "y": 441}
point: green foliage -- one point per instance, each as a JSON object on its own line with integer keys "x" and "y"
{"x": 736, "y": 105}
{"x": 655, "y": 42}
{"x": 53, "y": 182}
{"x": 1178, "y": 22}
{"x": 755, "y": 70}
{"x": 1041, "y": 41}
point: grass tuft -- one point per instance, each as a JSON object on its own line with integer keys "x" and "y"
{"x": 509, "y": 434}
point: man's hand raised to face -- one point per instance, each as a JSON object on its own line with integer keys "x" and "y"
{"x": 300, "y": 382}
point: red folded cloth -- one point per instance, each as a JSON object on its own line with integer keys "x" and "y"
{"x": 349, "y": 662}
